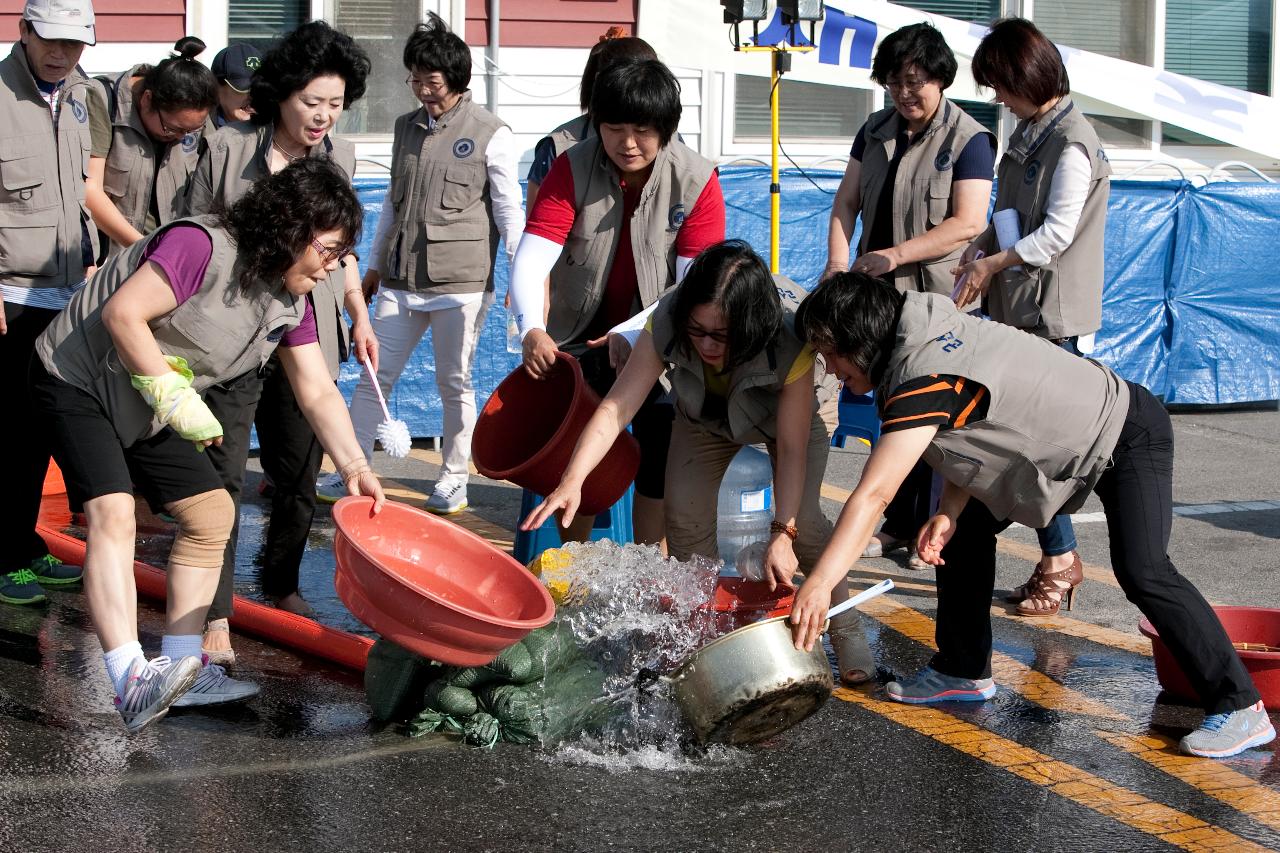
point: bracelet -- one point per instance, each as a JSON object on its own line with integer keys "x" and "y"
{"x": 350, "y": 470}
{"x": 353, "y": 290}
{"x": 789, "y": 529}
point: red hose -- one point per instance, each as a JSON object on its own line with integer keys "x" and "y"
{"x": 251, "y": 617}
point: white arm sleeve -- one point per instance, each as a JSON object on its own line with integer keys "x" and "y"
{"x": 1067, "y": 193}
{"x": 633, "y": 326}
{"x": 502, "y": 163}
{"x": 533, "y": 262}
{"x": 381, "y": 235}
{"x": 682, "y": 268}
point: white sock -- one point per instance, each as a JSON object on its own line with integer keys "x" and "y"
{"x": 178, "y": 646}
{"x": 118, "y": 661}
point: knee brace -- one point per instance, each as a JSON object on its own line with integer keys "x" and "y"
{"x": 204, "y": 526}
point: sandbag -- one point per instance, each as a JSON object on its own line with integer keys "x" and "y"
{"x": 469, "y": 677}
{"x": 394, "y": 679}
{"x": 512, "y": 665}
{"x": 481, "y": 730}
{"x": 517, "y": 709}
{"x": 448, "y": 699}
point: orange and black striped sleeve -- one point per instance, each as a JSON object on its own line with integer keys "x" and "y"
{"x": 948, "y": 402}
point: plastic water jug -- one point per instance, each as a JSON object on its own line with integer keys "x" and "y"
{"x": 745, "y": 504}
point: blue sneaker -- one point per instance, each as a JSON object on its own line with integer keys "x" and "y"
{"x": 51, "y": 571}
{"x": 929, "y": 686}
{"x": 1224, "y": 735}
{"x": 20, "y": 587}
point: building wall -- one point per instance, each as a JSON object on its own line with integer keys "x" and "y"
{"x": 118, "y": 21}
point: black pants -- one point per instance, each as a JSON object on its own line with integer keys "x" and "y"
{"x": 911, "y": 506}
{"x": 1137, "y": 495}
{"x": 27, "y": 447}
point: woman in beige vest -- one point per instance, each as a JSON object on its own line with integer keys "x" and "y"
{"x": 146, "y": 125}
{"x": 919, "y": 175}
{"x": 299, "y": 92}
{"x": 724, "y": 339}
{"x": 117, "y": 385}
{"x": 1053, "y": 187}
{"x": 1038, "y": 430}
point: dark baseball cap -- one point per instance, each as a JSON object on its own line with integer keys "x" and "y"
{"x": 235, "y": 64}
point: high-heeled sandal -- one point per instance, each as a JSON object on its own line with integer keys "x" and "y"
{"x": 1054, "y": 590}
{"x": 1020, "y": 593}
{"x": 853, "y": 655}
{"x": 225, "y": 658}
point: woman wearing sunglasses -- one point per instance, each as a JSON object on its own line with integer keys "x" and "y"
{"x": 298, "y": 93}
{"x": 117, "y": 387}
{"x": 145, "y": 127}
{"x": 724, "y": 340}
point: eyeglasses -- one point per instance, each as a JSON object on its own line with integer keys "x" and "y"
{"x": 425, "y": 85}
{"x": 173, "y": 131}
{"x": 329, "y": 254}
{"x": 912, "y": 86}
{"x": 699, "y": 332}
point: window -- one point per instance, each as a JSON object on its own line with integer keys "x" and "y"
{"x": 381, "y": 28}
{"x": 259, "y": 22}
{"x": 809, "y": 110}
{"x": 1119, "y": 30}
{"x": 1222, "y": 41}
{"x": 976, "y": 11}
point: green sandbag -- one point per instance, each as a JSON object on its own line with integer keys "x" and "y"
{"x": 549, "y": 648}
{"x": 509, "y": 702}
{"x": 425, "y": 722}
{"x": 480, "y": 730}
{"x": 469, "y": 677}
{"x": 394, "y": 679}
{"x": 513, "y": 665}
{"x": 450, "y": 700}
{"x": 573, "y": 702}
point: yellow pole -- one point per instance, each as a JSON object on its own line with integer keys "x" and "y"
{"x": 775, "y": 188}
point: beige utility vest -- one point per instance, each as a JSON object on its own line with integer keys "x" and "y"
{"x": 922, "y": 190}
{"x": 1063, "y": 298}
{"x": 754, "y": 387}
{"x": 231, "y": 159}
{"x": 445, "y": 238}
{"x": 571, "y": 133}
{"x": 578, "y": 278}
{"x": 220, "y": 331}
{"x": 1052, "y": 423}
{"x": 131, "y": 175}
{"x": 42, "y": 170}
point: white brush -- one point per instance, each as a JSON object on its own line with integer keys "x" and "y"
{"x": 393, "y": 434}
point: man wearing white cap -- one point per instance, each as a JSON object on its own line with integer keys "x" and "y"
{"x": 46, "y": 249}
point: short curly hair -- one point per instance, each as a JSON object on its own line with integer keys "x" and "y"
{"x": 432, "y": 46}
{"x": 276, "y": 220}
{"x": 312, "y": 50}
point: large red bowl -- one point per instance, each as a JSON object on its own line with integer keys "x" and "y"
{"x": 1259, "y": 625}
{"x": 430, "y": 586}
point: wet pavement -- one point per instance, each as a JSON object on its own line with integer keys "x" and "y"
{"x": 1072, "y": 754}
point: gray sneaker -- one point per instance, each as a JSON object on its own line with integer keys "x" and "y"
{"x": 150, "y": 687}
{"x": 330, "y": 489}
{"x": 929, "y": 686}
{"x": 214, "y": 687}
{"x": 447, "y": 499}
{"x": 1223, "y": 735}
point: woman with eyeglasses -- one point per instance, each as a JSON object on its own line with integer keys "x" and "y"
{"x": 145, "y": 127}
{"x": 298, "y": 93}
{"x": 454, "y": 194}
{"x": 919, "y": 175}
{"x": 1046, "y": 277}
{"x": 724, "y": 338}
{"x": 118, "y": 386}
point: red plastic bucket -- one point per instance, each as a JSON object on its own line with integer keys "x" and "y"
{"x": 528, "y": 429}
{"x": 1259, "y": 625}
{"x": 430, "y": 586}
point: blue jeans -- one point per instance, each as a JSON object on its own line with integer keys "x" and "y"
{"x": 1059, "y": 537}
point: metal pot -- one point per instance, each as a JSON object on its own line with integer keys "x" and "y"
{"x": 753, "y": 683}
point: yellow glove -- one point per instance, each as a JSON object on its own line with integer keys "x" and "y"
{"x": 176, "y": 404}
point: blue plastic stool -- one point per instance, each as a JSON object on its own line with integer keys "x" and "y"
{"x": 858, "y": 418}
{"x": 614, "y": 525}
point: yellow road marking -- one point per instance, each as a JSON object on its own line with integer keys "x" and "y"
{"x": 1210, "y": 777}
{"x": 1009, "y": 672}
{"x": 1093, "y": 792}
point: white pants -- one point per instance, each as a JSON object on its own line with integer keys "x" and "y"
{"x": 455, "y": 334}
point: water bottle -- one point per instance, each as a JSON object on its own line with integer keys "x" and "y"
{"x": 513, "y": 334}
{"x": 745, "y": 505}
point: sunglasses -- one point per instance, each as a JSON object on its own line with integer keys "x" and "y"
{"x": 329, "y": 254}
{"x": 699, "y": 332}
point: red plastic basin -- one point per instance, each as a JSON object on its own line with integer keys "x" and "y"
{"x": 1260, "y": 625}
{"x": 430, "y": 586}
{"x": 527, "y": 430}
{"x": 738, "y": 602}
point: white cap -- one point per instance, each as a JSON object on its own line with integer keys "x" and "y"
{"x": 71, "y": 20}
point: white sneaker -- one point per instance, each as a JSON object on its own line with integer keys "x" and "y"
{"x": 150, "y": 688}
{"x": 447, "y": 498}
{"x": 214, "y": 687}
{"x": 330, "y": 489}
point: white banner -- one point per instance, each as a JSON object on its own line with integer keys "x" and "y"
{"x": 684, "y": 32}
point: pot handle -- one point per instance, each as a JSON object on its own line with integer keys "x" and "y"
{"x": 866, "y": 595}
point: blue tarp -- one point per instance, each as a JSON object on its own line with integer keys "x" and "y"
{"x": 1189, "y": 307}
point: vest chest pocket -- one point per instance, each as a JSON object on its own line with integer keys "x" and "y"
{"x": 199, "y": 340}
{"x": 28, "y": 176}
{"x": 117, "y": 169}
{"x": 461, "y": 188}
{"x": 939, "y": 201}
{"x": 29, "y": 210}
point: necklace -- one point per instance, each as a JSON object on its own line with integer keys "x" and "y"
{"x": 290, "y": 157}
